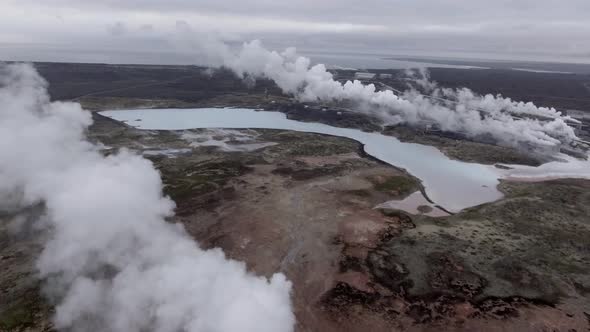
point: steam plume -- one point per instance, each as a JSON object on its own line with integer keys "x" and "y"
{"x": 461, "y": 111}
{"x": 112, "y": 262}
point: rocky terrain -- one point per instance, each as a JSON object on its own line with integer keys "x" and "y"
{"x": 304, "y": 204}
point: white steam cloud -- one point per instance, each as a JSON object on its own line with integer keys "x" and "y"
{"x": 508, "y": 122}
{"x": 113, "y": 262}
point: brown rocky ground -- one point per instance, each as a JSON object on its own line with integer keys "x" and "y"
{"x": 305, "y": 206}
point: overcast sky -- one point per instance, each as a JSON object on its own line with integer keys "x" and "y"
{"x": 155, "y": 31}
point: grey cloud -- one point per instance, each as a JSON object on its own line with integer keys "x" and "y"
{"x": 147, "y": 27}
{"x": 551, "y": 30}
{"x": 117, "y": 29}
{"x": 382, "y": 11}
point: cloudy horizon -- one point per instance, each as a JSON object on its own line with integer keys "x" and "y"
{"x": 157, "y": 31}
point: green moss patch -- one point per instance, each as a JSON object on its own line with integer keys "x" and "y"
{"x": 185, "y": 183}
{"x": 395, "y": 185}
{"x": 22, "y": 313}
{"x": 304, "y": 144}
{"x": 16, "y": 317}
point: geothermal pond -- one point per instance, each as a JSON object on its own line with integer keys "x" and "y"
{"x": 451, "y": 184}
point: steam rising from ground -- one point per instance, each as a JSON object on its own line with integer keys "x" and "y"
{"x": 112, "y": 262}
{"x": 462, "y": 111}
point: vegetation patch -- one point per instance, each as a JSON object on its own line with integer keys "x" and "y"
{"x": 21, "y": 314}
{"x": 359, "y": 192}
{"x": 15, "y": 318}
{"x": 395, "y": 185}
{"x": 307, "y": 173}
{"x": 424, "y": 209}
{"x": 304, "y": 145}
{"x": 185, "y": 184}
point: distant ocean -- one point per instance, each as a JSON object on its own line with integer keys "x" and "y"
{"x": 373, "y": 61}
{"x": 383, "y": 61}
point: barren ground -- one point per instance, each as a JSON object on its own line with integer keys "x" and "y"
{"x": 304, "y": 206}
